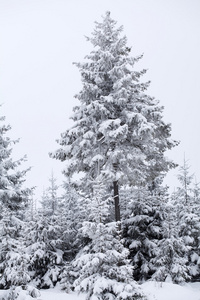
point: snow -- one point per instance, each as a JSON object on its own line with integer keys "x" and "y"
{"x": 170, "y": 291}
{"x": 153, "y": 291}
{"x": 53, "y": 294}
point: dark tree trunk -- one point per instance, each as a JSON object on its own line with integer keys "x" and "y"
{"x": 116, "y": 198}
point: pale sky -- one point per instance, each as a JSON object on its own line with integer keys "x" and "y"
{"x": 39, "y": 41}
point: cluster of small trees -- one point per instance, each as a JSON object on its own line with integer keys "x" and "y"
{"x": 116, "y": 225}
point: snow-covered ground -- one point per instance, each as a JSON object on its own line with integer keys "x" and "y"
{"x": 153, "y": 291}
{"x": 169, "y": 291}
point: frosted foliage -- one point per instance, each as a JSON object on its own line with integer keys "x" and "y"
{"x": 184, "y": 192}
{"x": 72, "y": 211}
{"x": 66, "y": 279}
{"x": 102, "y": 267}
{"x": 13, "y": 259}
{"x": 51, "y": 277}
{"x": 19, "y": 293}
{"x": 12, "y": 193}
{"x": 171, "y": 260}
{"x": 50, "y": 199}
{"x": 186, "y": 200}
{"x": 46, "y": 258}
{"x": 98, "y": 206}
{"x": 15, "y": 272}
{"x": 118, "y": 137}
{"x": 116, "y": 123}
{"x": 143, "y": 214}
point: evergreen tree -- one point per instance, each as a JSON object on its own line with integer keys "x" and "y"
{"x": 195, "y": 253}
{"x": 13, "y": 203}
{"x": 143, "y": 225}
{"x": 50, "y": 198}
{"x": 13, "y": 260}
{"x": 45, "y": 241}
{"x": 53, "y": 236}
{"x": 72, "y": 212}
{"x": 12, "y": 193}
{"x": 186, "y": 201}
{"x": 117, "y": 125}
{"x": 170, "y": 262}
{"x": 102, "y": 268}
{"x": 43, "y": 244}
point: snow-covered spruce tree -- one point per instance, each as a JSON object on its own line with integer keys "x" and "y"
{"x": 186, "y": 202}
{"x": 53, "y": 240}
{"x": 102, "y": 269}
{"x": 116, "y": 124}
{"x": 43, "y": 245}
{"x": 50, "y": 197}
{"x": 13, "y": 261}
{"x": 13, "y": 202}
{"x": 12, "y": 194}
{"x": 170, "y": 262}
{"x": 142, "y": 223}
{"x": 195, "y": 256}
{"x": 72, "y": 212}
{"x": 118, "y": 135}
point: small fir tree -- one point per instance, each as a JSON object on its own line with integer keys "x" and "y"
{"x": 143, "y": 227}
{"x": 72, "y": 212}
{"x": 13, "y": 203}
{"x": 170, "y": 263}
{"x": 14, "y": 261}
{"x": 186, "y": 201}
{"x": 102, "y": 268}
{"x": 50, "y": 197}
{"x": 13, "y": 195}
{"x": 44, "y": 248}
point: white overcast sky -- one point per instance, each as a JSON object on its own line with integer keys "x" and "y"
{"x": 39, "y": 41}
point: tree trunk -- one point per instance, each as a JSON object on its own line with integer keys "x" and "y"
{"x": 116, "y": 198}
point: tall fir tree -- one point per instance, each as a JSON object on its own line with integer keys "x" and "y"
{"x": 117, "y": 125}
{"x": 119, "y": 137}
